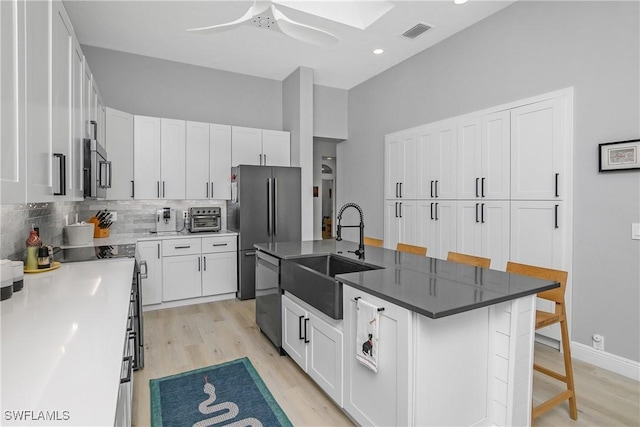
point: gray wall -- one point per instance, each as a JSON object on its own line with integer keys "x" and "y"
{"x": 330, "y": 118}
{"x": 528, "y": 49}
{"x": 155, "y": 87}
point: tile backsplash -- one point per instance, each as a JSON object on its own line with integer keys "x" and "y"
{"x": 134, "y": 216}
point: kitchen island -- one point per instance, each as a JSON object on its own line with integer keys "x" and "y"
{"x": 455, "y": 344}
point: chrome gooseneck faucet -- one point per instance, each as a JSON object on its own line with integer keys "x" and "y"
{"x": 360, "y": 250}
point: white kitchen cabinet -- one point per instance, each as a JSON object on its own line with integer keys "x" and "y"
{"x": 77, "y": 121}
{"x": 88, "y": 101}
{"x": 219, "y": 265}
{"x": 181, "y": 269}
{"x": 119, "y": 145}
{"x": 383, "y": 398}
{"x": 250, "y": 146}
{"x": 484, "y": 157}
{"x": 483, "y": 229}
{"x": 538, "y": 237}
{"x": 537, "y": 151}
{"x": 12, "y": 114}
{"x": 400, "y": 222}
{"x": 146, "y": 157}
{"x": 315, "y": 343}
{"x": 208, "y": 161}
{"x": 172, "y": 158}
{"x": 436, "y": 226}
{"x": 437, "y": 155}
{"x": 400, "y": 165}
{"x": 61, "y": 106}
{"x": 149, "y": 254}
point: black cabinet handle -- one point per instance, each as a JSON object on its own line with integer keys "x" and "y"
{"x": 431, "y": 188}
{"x": 198, "y": 263}
{"x": 436, "y": 211}
{"x": 212, "y": 189}
{"x": 482, "y": 187}
{"x": 62, "y": 181}
{"x": 204, "y": 258}
{"x": 220, "y": 244}
{"x": 557, "y": 189}
{"x": 400, "y": 189}
{"x": 477, "y": 206}
{"x": 300, "y": 336}
{"x": 396, "y": 189}
{"x": 158, "y": 188}
{"x": 556, "y": 216}
{"x": 163, "y": 196}
{"x": 306, "y": 320}
{"x": 477, "y": 180}
{"x": 432, "y": 210}
{"x": 436, "y": 189}
{"x": 400, "y": 209}
{"x": 133, "y": 189}
{"x": 182, "y": 247}
{"x": 206, "y": 184}
{"x": 482, "y": 213}
{"x": 158, "y": 250}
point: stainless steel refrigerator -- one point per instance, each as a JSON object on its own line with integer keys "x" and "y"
{"x": 265, "y": 207}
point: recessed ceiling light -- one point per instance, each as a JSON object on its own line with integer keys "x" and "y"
{"x": 460, "y": 1}
{"x": 378, "y": 51}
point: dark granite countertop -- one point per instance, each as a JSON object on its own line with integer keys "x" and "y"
{"x": 432, "y": 287}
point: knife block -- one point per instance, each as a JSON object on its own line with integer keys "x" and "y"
{"x": 98, "y": 232}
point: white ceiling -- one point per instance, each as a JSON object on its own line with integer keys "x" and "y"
{"x": 158, "y": 29}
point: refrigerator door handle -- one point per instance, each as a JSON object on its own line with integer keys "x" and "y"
{"x": 275, "y": 205}
{"x": 269, "y": 207}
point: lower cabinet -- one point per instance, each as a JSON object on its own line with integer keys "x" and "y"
{"x": 198, "y": 267}
{"x": 314, "y": 341}
{"x": 149, "y": 255}
{"x": 382, "y": 398}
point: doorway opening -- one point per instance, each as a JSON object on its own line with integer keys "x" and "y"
{"x": 325, "y": 185}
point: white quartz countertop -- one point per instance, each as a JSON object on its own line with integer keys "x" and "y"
{"x": 128, "y": 238}
{"x": 62, "y": 341}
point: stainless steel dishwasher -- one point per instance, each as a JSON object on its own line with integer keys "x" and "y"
{"x": 268, "y": 298}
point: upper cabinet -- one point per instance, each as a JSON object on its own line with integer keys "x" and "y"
{"x": 119, "y": 144}
{"x": 260, "y": 147}
{"x": 208, "y": 174}
{"x": 400, "y": 165}
{"x": 437, "y": 153}
{"x": 537, "y": 144}
{"x": 172, "y": 158}
{"x": 146, "y": 157}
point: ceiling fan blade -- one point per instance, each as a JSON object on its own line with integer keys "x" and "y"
{"x": 255, "y": 9}
{"x": 303, "y": 32}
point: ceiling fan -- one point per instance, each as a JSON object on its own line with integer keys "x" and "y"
{"x": 266, "y": 15}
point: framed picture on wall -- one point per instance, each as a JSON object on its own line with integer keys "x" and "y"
{"x": 622, "y": 155}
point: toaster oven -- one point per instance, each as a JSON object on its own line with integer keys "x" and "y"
{"x": 204, "y": 219}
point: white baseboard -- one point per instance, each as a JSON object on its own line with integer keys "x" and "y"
{"x": 604, "y": 360}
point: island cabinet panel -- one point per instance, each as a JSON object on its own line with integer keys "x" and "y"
{"x": 380, "y": 398}
{"x": 451, "y": 352}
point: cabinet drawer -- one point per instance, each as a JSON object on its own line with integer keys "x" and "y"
{"x": 219, "y": 244}
{"x": 181, "y": 247}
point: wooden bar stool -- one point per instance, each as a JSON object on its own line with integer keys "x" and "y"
{"x": 543, "y": 319}
{"x": 417, "y": 250}
{"x": 370, "y": 241}
{"x": 476, "y": 261}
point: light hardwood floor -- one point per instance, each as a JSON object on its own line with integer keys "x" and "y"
{"x": 185, "y": 338}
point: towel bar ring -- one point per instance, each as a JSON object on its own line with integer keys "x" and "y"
{"x": 357, "y": 298}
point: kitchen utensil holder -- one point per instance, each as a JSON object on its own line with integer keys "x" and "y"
{"x": 98, "y": 232}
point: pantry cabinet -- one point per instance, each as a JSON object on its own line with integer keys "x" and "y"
{"x": 382, "y": 398}
{"x": 119, "y": 145}
{"x": 149, "y": 254}
{"x": 400, "y": 222}
{"x": 400, "y": 165}
{"x": 315, "y": 343}
{"x": 437, "y": 155}
{"x": 208, "y": 159}
{"x": 436, "y": 226}
{"x": 260, "y": 147}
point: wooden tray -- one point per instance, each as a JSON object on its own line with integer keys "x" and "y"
{"x": 56, "y": 264}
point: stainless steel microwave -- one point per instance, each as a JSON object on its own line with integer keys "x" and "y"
{"x": 97, "y": 169}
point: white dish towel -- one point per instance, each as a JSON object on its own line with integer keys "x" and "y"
{"x": 367, "y": 338}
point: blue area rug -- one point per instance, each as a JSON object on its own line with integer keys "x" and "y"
{"x": 229, "y": 393}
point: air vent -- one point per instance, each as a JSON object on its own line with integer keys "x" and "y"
{"x": 416, "y": 30}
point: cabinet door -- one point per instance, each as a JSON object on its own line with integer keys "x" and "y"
{"x": 324, "y": 352}
{"x": 276, "y": 148}
{"x": 197, "y": 159}
{"x": 77, "y": 121}
{"x": 469, "y": 236}
{"x": 172, "y": 158}
{"x": 219, "y": 273}
{"x": 536, "y": 157}
{"x": 38, "y": 138}
{"x": 495, "y": 175}
{"x": 119, "y": 141}
{"x": 426, "y": 150}
{"x": 446, "y": 162}
{"x": 293, "y": 331}
{"x": 246, "y": 146}
{"x": 220, "y": 161}
{"x": 12, "y": 113}
{"x": 150, "y": 253}
{"x": 446, "y": 228}
{"x": 538, "y": 238}
{"x": 381, "y": 398}
{"x": 146, "y": 157}
{"x": 392, "y": 165}
{"x": 61, "y": 77}
{"x": 407, "y": 214}
{"x": 469, "y": 158}
{"x": 495, "y": 232}
{"x": 407, "y": 173}
{"x": 391, "y": 224}
{"x": 87, "y": 103}
{"x": 181, "y": 277}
